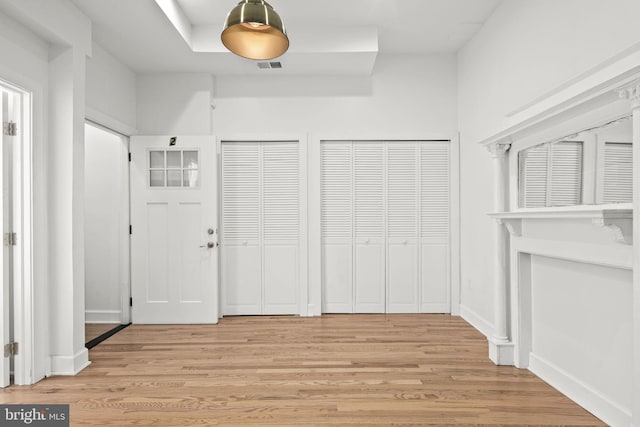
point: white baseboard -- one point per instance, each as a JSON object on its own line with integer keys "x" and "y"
{"x": 581, "y": 393}
{"x": 477, "y": 321}
{"x": 102, "y": 316}
{"x": 70, "y": 365}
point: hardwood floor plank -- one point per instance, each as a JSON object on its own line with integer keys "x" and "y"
{"x": 334, "y": 370}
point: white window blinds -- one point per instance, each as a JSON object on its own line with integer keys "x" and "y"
{"x": 551, "y": 175}
{"x": 618, "y": 171}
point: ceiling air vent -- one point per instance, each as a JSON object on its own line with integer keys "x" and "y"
{"x": 268, "y": 65}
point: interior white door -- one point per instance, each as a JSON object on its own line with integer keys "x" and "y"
{"x": 260, "y": 227}
{"x": 174, "y": 236}
{"x": 5, "y": 374}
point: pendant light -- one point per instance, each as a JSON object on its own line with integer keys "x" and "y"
{"x": 255, "y": 31}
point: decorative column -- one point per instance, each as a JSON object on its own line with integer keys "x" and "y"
{"x": 632, "y": 93}
{"x": 500, "y": 347}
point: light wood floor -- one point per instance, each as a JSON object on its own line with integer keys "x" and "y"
{"x": 368, "y": 370}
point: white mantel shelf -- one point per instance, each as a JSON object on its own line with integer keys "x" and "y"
{"x": 618, "y": 218}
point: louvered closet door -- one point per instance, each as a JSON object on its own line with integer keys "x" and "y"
{"x": 260, "y": 227}
{"x": 336, "y": 223}
{"x": 241, "y": 262}
{"x": 402, "y": 227}
{"x": 385, "y": 226}
{"x": 434, "y": 227}
{"x": 369, "y": 227}
{"x": 281, "y": 227}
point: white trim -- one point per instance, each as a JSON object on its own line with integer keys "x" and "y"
{"x": 67, "y": 365}
{"x": 23, "y": 219}
{"x": 104, "y": 120}
{"x": 581, "y": 393}
{"x": 454, "y": 225}
{"x": 596, "y": 87}
{"x": 474, "y": 319}
{"x": 103, "y": 316}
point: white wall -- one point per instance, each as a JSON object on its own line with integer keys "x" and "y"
{"x": 57, "y": 80}
{"x": 405, "y": 95}
{"x": 178, "y": 104}
{"x": 24, "y": 62}
{"x": 111, "y": 91}
{"x": 525, "y": 50}
{"x": 105, "y": 209}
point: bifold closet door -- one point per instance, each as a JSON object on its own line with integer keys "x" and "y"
{"x": 402, "y": 227}
{"x": 336, "y": 223}
{"x": 260, "y": 227}
{"x": 385, "y": 226}
{"x": 435, "y": 196}
{"x": 369, "y": 219}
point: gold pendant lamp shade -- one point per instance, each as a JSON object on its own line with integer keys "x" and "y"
{"x": 255, "y": 31}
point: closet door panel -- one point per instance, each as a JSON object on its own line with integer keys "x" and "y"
{"x": 337, "y": 277}
{"x": 435, "y": 284}
{"x": 369, "y": 224}
{"x": 242, "y": 278}
{"x": 402, "y": 227}
{"x": 370, "y": 277}
{"x": 241, "y": 223}
{"x": 281, "y": 226}
{"x": 281, "y": 279}
{"x": 434, "y": 227}
{"x": 336, "y": 217}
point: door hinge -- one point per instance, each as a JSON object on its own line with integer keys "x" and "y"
{"x": 130, "y": 301}
{"x": 130, "y": 229}
{"x": 10, "y": 349}
{"x": 129, "y": 156}
{"x": 10, "y": 128}
{"x": 10, "y": 239}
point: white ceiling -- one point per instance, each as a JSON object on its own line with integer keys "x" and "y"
{"x": 335, "y": 37}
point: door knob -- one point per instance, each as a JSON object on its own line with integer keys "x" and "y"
{"x": 209, "y": 245}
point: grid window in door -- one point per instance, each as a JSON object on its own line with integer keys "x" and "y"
{"x": 173, "y": 168}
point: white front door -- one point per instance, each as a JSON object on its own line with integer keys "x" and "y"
{"x": 174, "y": 236}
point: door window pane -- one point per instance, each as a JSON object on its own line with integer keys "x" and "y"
{"x": 174, "y": 178}
{"x": 190, "y": 160}
{"x": 156, "y": 159}
{"x": 173, "y": 159}
{"x": 156, "y": 178}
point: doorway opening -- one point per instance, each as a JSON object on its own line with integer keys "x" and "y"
{"x": 107, "y": 276}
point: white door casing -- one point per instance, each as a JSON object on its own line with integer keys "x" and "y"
{"x": 174, "y": 241}
{"x": 5, "y": 266}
